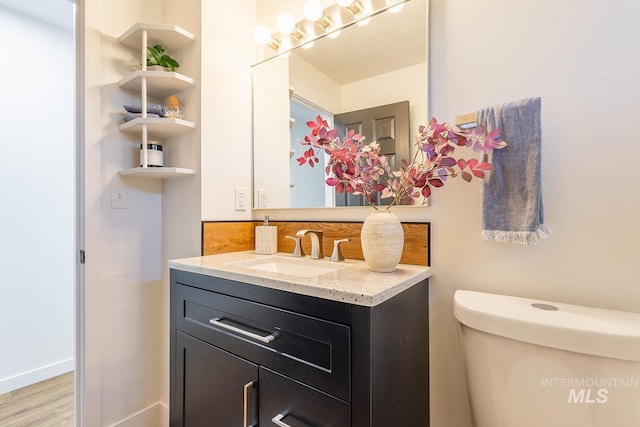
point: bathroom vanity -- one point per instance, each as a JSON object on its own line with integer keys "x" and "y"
{"x": 315, "y": 343}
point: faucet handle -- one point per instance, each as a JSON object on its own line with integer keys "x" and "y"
{"x": 337, "y": 253}
{"x": 297, "y": 251}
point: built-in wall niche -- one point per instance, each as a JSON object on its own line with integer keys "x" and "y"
{"x": 381, "y": 63}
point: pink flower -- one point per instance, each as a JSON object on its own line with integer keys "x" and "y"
{"x": 359, "y": 168}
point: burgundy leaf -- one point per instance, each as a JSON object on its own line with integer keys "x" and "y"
{"x": 426, "y": 192}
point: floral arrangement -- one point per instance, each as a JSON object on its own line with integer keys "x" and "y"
{"x": 359, "y": 168}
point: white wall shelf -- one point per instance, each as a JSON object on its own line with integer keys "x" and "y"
{"x": 160, "y": 84}
{"x": 163, "y": 172}
{"x": 171, "y": 37}
{"x": 158, "y": 127}
{"x": 157, "y": 85}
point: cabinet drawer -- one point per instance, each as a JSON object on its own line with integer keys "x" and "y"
{"x": 290, "y": 403}
{"x": 310, "y": 350}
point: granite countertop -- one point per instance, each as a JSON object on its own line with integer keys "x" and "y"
{"x": 350, "y": 281}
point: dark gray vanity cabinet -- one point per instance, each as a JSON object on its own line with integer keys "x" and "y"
{"x": 246, "y": 355}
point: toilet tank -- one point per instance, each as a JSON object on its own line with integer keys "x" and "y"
{"x": 538, "y": 363}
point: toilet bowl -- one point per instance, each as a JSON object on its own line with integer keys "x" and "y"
{"x": 533, "y": 363}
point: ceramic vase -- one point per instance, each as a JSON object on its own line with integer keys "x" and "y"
{"x": 382, "y": 240}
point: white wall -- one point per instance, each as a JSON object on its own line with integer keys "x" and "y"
{"x": 227, "y": 55}
{"x": 582, "y": 58}
{"x": 181, "y": 204}
{"x": 37, "y": 228}
{"x": 124, "y": 299}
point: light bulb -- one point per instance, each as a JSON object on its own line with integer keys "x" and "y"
{"x": 313, "y": 10}
{"x": 286, "y": 25}
{"x": 334, "y": 34}
{"x": 364, "y": 22}
{"x": 345, "y": 3}
{"x": 396, "y": 8}
{"x": 261, "y": 34}
{"x": 307, "y": 45}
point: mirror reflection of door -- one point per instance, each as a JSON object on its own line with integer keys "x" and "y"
{"x": 389, "y": 126}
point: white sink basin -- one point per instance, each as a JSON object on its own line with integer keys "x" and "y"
{"x": 301, "y": 267}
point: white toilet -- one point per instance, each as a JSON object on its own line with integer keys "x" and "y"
{"x": 534, "y": 363}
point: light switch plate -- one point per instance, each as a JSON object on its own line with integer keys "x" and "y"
{"x": 119, "y": 196}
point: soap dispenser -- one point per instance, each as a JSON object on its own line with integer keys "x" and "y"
{"x": 266, "y": 238}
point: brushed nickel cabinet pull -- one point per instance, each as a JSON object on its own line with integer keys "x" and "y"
{"x": 247, "y": 387}
{"x": 277, "y": 420}
{"x": 264, "y": 339}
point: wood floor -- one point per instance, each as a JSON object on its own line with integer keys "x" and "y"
{"x": 45, "y": 404}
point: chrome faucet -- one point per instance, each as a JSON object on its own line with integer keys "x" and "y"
{"x": 316, "y": 242}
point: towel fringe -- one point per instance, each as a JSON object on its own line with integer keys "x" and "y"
{"x": 521, "y": 237}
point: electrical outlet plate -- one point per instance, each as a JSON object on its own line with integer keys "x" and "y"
{"x": 263, "y": 198}
{"x": 241, "y": 199}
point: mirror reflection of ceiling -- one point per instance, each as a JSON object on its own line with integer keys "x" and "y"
{"x": 406, "y": 29}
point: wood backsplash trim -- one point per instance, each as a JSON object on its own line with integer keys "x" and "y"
{"x": 224, "y": 237}
{"x": 231, "y": 236}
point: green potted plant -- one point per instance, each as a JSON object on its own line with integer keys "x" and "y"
{"x": 156, "y": 57}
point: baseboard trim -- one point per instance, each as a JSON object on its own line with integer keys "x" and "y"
{"x": 155, "y": 415}
{"x": 36, "y": 375}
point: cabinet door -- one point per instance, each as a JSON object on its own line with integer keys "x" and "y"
{"x": 288, "y": 403}
{"x": 213, "y": 388}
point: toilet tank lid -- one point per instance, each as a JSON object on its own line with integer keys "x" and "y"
{"x": 588, "y": 330}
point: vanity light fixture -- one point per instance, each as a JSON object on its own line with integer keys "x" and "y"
{"x": 303, "y": 33}
{"x": 314, "y": 12}
{"x": 353, "y": 6}
{"x": 286, "y": 24}
{"x": 263, "y": 36}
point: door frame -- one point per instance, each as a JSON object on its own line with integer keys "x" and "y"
{"x": 79, "y": 213}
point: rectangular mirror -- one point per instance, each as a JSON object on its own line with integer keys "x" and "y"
{"x": 373, "y": 66}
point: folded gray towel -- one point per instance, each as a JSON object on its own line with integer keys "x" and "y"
{"x": 131, "y": 116}
{"x": 151, "y": 108}
{"x": 511, "y": 193}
